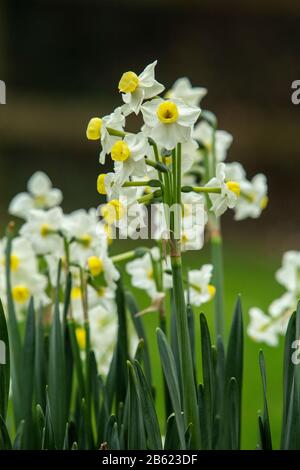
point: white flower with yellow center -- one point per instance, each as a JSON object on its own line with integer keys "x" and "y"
{"x": 103, "y": 328}
{"x": 40, "y": 195}
{"x": 124, "y": 212}
{"x": 261, "y": 328}
{"x": 142, "y": 273}
{"x": 253, "y": 198}
{"x": 86, "y": 232}
{"x": 23, "y": 287}
{"x": 230, "y": 191}
{"x": 99, "y": 129}
{"x": 183, "y": 90}
{"x": 128, "y": 155}
{"x": 203, "y": 133}
{"x": 41, "y": 230}
{"x": 22, "y": 258}
{"x": 169, "y": 122}
{"x": 200, "y": 289}
{"x": 137, "y": 88}
{"x": 288, "y": 274}
{"x": 100, "y": 263}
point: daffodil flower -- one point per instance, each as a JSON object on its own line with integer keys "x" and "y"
{"x": 128, "y": 155}
{"x": 183, "y": 90}
{"x": 169, "y": 122}
{"x": 203, "y": 132}
{"x": 229, "y": 194}
{"x": 137, "y": 88}
{"x": 261, "y": 329}
{"x": 40, "y": 195}
{"x": 42, "y": 228}
{"x": 200, "y": 289}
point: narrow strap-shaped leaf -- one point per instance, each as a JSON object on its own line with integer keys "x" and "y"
{"x": 267, "y": 440}
{"x": 19, "y": 439}
{"x": 234, "y": 358}
{"x": 140, "y": 330}
{"x": 4, "y": 364}
{"x": 57, "y": 374}
{"x": 76, "y": 356}
{"x": 115, "y": 442}
{"x": 172, "y": 438}
{"x": 136, "y": 429}
{"x": 234, "y": 415}
{"x": 122, "y": 345}
{"x": 191, "y": 326}
{"x": 28, "y": 375}
{"x": 208, "y": 376}
{"x": 203, "y": 419}
{"x": 14, "y": 339}
{"x": 66, "y": 438}
{"x": 148, "y": 410}
{"x": 170, "y": 373}
{"x": 5, "y": 442}
{"x": 40, "y": 364}
{"x": 288, "y": 375}
{"x": 220, "y": 394}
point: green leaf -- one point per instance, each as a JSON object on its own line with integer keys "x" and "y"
{"x": 28, "y": 375}
{"x": 40, "y": 363}
{"x": 288, "y": 374}
{"x": 115, "y": 442}
{"x": 48, "y": 441}
{"x": 234, "y": 415}
{"x": 171, "y": 439}
{"x": 4, "y": 364}
{"x": 57, "y": 374}
{"x": 170, "y": 373}
{"x": 208, "y": 376}
{"x": 122, "y": 345}
{"x": 140, "y": 330}
{"x": 14, "y": 340}
{"x": 135, "y": 430}
{"x": 19, "y": 442}
{"x": 148, "y": 410}
{"x": 5, "y": 442}
{"x": 76, "y": 356}
{"x": 234, "y": 358}
{"x": 267, "y": 439}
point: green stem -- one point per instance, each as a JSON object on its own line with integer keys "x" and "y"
{"x": 186, "y": 362}
{"x": 115, "y": 132}
{"x": 200, "y": 189}
{"x": 218, "y": 274}
{"x": 190, "y": 404}
{"x": 128, "y": 255}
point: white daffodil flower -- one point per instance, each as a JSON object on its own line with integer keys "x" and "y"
{"x": 137, "y": 88}
{"x": 203, "y": 133}
{"x": 86, "y": 232}
{"x": 288, "y": 274}
{"x": 253, "y": 198}
{"x": 282, "y": 308}
{"x": 99, "y": 129}
{"x": 103, "y": 328}
{"x": 128, "y": 155}
{"x": 230, "y": 191}
{"x": 22, "y": 257}
{"x": 234, "y": 171}
{"x": 125, "y": 213}
{"x": 169, "y": 122}
{"x": 261, "y": 328}
{"x": 142, "y": 273}
{"x": 200, "y": 289}
{"x": 183, "y": 90}
{"x": 41, "y": 230}
{"x": 23, "y": 287}
{"x": 40, "y": 195}
{"x": 99, "y": 263}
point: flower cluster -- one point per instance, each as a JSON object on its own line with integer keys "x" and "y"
{"x": 267, "y": 327}
{"x": 177, "y": 157}
{"x": 80, "y": 241}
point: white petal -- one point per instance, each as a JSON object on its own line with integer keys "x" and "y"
{"x": 39, "y": 184}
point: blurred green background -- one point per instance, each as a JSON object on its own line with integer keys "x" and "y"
{"x": 61, "y": 61}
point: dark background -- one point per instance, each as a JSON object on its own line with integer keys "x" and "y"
{"x": 62, "y": 60}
